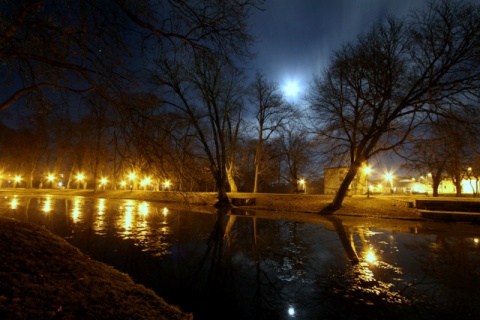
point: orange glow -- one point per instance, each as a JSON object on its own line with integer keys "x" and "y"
{"x": 146, "y": 181}
{"x": 18, "y": 178}
{"x": 166, "y": 184}
{"x": 101, "y": 206}
{"x": 143, "y": 208}
{"x": 131, "y": 176}
{"x": 47, "y": 207}
{"x": 51, "y": 177}
{"x": 80, "y": 176}
{"x": 14, "y": 203}
{"x": 370, "y": 256}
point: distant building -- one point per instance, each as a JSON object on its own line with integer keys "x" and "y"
{"x": 333, "y": 178}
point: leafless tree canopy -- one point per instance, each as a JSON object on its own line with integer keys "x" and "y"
{"x": 382, "y": 87}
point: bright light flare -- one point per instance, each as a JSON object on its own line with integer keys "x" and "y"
{"x": 80, "y": 176}
{"x": 50, "y": 177}
{"x": 291, "y": 311}
{"x": 370, "y": 256}
{"x": 14, "y": 203}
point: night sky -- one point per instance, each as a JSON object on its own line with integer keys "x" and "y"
{"x": 295, "y": 39}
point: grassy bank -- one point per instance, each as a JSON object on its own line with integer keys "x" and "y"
{"x": 44, "y": 277}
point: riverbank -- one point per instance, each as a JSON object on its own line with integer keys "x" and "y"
{"x": 273, "y": 204}
{"x": 43, "y": 277}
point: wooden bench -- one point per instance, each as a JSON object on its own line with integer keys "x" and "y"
{"x": 402, "y": 203}
{"x": 243, "y": 201}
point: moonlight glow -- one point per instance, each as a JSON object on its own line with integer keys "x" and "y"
{"x": 291, "y": 89}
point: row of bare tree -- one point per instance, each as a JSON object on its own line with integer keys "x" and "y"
{"x": 141, "y": 134}
{"x": 160, "y": 88}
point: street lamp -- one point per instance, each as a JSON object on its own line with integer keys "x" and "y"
{"x": 50, "y": 179}
{"x": 389, "y": 178}
{"x": 132, "y": 178}
{"x": 166, "y": 184}
{"x": 17, "y": 180}
{"x": 80, "y": 178}
{"x": 367, "y": 171}
{"x": 303, "y": 184}
{"x": 103, "y": 182}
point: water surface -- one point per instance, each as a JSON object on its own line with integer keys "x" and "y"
{"x": 233, "y": 266}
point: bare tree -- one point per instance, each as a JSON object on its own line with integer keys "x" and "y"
{"x": 271, "y": 112}
{"x": 79, "y": 46}
{"x": 378, "y": 90}
{"x": 296, "y": 152}
{"x": 203, "y": 90}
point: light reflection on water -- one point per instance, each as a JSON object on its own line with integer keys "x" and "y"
{"x": 260, "y": 268}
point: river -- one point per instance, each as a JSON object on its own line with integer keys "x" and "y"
{"x": 238, "y": 266}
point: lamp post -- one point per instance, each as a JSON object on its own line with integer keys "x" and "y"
{"x": 17, "y": 180}
{"x": 50, "y": 179}
{"x": 389, "y": 178}
{"x": 367, "y": 171}
{"x": 132, "y": 178}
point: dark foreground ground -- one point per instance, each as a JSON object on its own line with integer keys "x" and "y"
{"x": 44, "y": 277}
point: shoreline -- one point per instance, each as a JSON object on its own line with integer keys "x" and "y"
{"x": 273, "y": 205}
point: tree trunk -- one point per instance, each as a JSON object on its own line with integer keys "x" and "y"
{"x": 342, "y": 191}
{"x": 435, "y": 185}
{"x": 231, "y": 179}
{"x": 223, "y": 201}
{"x": 255, "y": 181}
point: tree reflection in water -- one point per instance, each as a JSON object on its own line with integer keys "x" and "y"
{"x": 447, "y": 288}
{"x": 243, "y": 265}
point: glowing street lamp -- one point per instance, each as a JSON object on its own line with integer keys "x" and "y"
{"x": 103, "y": 182}
{"x": 80, "y": 178}
{"x": 166, "y": 184}
{"x": 367, "y": 170}
{"x": 131, "y": 176}
{"x": 303, "y": 184}
{"x": 17, "y": 180}
{"x": 123, "y": 184}
{"x": 389, "y": 178}
{"x": 50, "y": 179}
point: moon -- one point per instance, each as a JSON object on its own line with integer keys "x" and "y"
{"x": 291, "y": 89}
